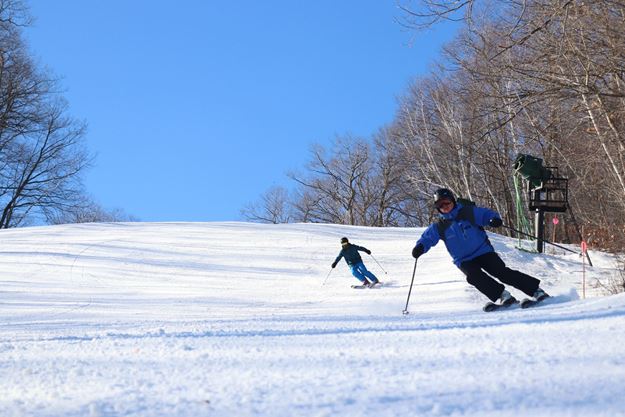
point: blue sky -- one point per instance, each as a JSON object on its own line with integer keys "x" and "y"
{"x": 195, "y": 108}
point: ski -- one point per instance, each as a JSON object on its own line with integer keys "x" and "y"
{"x": 375, "y": 285}
{"x": 529, "y": 302}
{"x": 490, "y": 306}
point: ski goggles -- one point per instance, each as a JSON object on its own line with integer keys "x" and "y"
{"x": 443, "y": 204}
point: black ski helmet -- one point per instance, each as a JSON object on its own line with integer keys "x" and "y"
{"x": 344, "y": 240}
{"x": 444, "y": 193}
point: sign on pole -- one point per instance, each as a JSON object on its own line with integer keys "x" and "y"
{"x": 555, "y": 222}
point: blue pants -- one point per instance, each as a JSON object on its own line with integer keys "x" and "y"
{"x": 360, "y": 271}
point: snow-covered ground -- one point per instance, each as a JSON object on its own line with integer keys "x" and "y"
{"x": 234, "y": 319}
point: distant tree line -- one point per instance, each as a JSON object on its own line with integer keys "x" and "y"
{"x": 539, "y": 77}
{"x": 42, "y": 151}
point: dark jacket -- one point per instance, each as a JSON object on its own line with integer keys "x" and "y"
{"x": 464, "y": 240}
{"x": 351, "y": 255}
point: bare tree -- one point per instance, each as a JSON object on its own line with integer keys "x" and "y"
{"x": 273, "y": 207}
{"x": 41, "y": 148}
{"x": 336, "y": 180}
{"x": 88, "y": 211}
{"x": 358, "y": 183}
{"x": 541, "y": 77}
{"x": 304, "y": 204}
{"x": 425, "y": 13}
{"x": 394, "y": 202}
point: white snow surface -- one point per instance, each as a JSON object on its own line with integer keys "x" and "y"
{"x": 234, "y": 319}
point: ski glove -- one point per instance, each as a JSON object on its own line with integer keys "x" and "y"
{"x": 333, "y": 264}
{"x": 495, "y": 222}
{"x": 417, "y": 251}
{"x": 368, "y": 252}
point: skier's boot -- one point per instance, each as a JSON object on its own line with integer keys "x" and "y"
{"x": 540, "y": 294}
{"x": 506, "y": 299}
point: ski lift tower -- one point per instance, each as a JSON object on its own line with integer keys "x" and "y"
{"x": 547, "y": 192}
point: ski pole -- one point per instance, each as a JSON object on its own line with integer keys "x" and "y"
{"x": 376, "y": 261}
{"x": 551, "y": 243}
{"x": 327, "y": 276}
{"x": 410, "y": 290}
{"x": 534, "y": 237}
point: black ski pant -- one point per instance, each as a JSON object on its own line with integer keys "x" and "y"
{"x": 492, "y": 263}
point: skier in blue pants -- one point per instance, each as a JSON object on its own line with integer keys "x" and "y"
{"x": 354, "y": 261}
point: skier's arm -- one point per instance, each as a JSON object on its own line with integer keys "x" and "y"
{"x": 429, "y": 238}
{"x": 486, "y": 217}
{"x": 338, "y": 258}
{"x": 362, "y": 249}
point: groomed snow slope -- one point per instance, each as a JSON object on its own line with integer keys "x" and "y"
{"x": 232, "y": 319}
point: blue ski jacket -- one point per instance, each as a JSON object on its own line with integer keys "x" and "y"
{"x": 465, "y": 240}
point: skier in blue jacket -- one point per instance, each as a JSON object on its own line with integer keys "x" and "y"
{"x": 462, "y": 229}
{"x": 354, "y": 261}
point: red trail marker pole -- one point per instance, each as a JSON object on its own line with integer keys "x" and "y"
{"x": 584, "y": 248}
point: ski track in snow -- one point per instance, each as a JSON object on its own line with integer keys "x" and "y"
{"x": 234, "y": 319}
